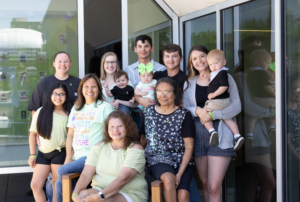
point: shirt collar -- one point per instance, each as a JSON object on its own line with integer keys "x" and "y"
{"x": 138, "y": 63}
{"x": 214, "y": 74}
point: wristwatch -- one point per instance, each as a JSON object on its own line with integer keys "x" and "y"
{"x": 102, "y": 196}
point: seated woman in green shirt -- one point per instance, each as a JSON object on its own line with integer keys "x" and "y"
{"x": 116, "y": 165}
{"x": 50, "y": 123}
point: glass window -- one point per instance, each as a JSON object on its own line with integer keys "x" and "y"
{"x": 200, "y": 31}
{"x": 249, "y": 46}
{"x": 30, "y": 34}
{"x": 152, "y": 22}
{"x": 292, "y": 61}
{"x": 101, "y": 36}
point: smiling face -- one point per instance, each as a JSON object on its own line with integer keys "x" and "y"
{"x": 122, "y": 81}
{"x": 62, "y": 64}
{"x": 146, "y": 77}
{"x": 165, "y": 94}
{"x": 198, "y": 59}
{"x": 90, "y": 91}
{"x": 143, "y": 50}
{"x": 172, "y": 60}
{"x": 116, "y": 129}
{"x": 215, "y": 64}
{"x": 58, "y": 97}
{"x": 110, "y": 64}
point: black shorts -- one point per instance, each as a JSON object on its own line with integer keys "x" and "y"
{"x": 158, "y": 169}
{"x": 54, "y": 157}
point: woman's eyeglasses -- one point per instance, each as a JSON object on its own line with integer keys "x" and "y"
{"x": 112, "y": 62}
{"x": 59, "y": 95}
{"x": 166, "y": 92}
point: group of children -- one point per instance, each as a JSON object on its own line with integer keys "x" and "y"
{"x": 125, "y": 92}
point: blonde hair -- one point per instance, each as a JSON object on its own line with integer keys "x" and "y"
{"x": 216, "y": 53}
{"x": 102, "y": 71}
{"x": 259, "y": 54}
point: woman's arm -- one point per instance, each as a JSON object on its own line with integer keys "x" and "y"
{"x": 250, "y": 107}
{"x": 108, "y": 93}
{"x": 84, "y": 179}
{"x": 145, "y": 102}
{"x": 127, "y": 103}
{"x": 235, "y": 104}
{"x": 138, "y": 91}
{"x": 187, "y": 100}
{"x": 32, "y": 148}
{"x": 189, "y": 147}
{"x": 195, "y": 110}
{"x": 69, "y": 145}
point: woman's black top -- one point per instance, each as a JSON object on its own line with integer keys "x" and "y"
{"x": 201, "y": 95}
{"x": 165, "y": 133}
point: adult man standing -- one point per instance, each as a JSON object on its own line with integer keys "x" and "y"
{"x": 172, "y": 56}
{"x": 143, "y": 48}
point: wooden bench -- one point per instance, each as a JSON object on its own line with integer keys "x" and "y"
{"x": 156, "y": 188}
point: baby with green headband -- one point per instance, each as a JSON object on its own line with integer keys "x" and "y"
{"x": 145, "y": 87}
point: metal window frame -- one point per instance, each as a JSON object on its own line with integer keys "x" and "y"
{"x": 175, "y": 27}
{"x": 280, "y": 80}
{"x": 209, "y": 10}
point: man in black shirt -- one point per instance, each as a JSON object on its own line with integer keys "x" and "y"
{"x": 172, "y": 56}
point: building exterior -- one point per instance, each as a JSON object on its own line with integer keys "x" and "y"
{"x": 32, "y": 31}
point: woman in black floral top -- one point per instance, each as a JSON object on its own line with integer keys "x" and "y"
{"x": 169, "y": 131}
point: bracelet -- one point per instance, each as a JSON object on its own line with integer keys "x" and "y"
{"x": 74, "y": 195}
{"x": 212, "y": 116}
{"x": 32, "y": 156}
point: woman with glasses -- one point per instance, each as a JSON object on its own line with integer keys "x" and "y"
{"x": 108, "y": 67}
{"x": 50, "y": 123}
{"x": 85, "y": 127}
{"x": 169, "y": 131}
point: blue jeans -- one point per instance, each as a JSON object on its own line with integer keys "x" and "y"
{"x": 194, "y": 192}
{"x": 125, "y": 109}
{"x": 73, "y": 167}
{"x": 49, "y": 188}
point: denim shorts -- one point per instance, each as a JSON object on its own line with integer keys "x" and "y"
{"x": 201, "y": 144}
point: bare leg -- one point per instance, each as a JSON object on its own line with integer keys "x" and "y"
{"x": 209, "y": 125}
{"x": 39, "y": 177}
{"x": 169, "y": 181}
{"x": 267, "y": 180}
{"x": 217, "y": 167}
{"x": 232, "y": 125}
{"x": 202, "y": 169}
{"x": 54, "y": 168}
{"x": 87, "y": 192}
{"x": 183, "y": 195}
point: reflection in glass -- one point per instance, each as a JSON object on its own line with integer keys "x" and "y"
{"x": 248, "y": 43}
{"x": 201, "y": 31}
{"x": 152, "y": 22}
{"x": 293, "y": 104}
{"x": 30, "y": 34}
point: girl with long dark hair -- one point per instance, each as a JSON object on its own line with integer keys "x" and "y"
{"x": 50, "y": 123}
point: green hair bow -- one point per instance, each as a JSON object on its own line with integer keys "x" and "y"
{"x": 142, "y": 68}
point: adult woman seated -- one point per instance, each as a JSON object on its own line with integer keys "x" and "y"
{"x": 86, "y": 126}
{"x": 116, "y": 165}
{"x": 169, "y": 131}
